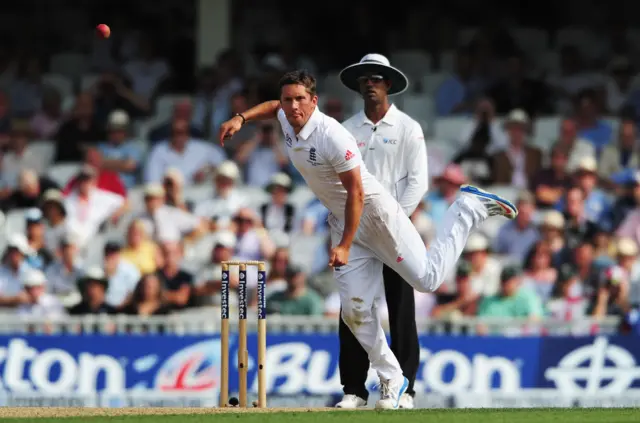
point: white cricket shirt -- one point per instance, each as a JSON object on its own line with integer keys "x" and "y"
{"x": 394, "y": 151}
{"x": 322, "y": 150}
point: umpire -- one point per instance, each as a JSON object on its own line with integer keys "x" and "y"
{"x": 393, "y": 149}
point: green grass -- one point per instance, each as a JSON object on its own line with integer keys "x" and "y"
{"x": 400, "y": 416}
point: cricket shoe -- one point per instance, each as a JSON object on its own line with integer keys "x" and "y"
{"x": 494, "y": 204}
{"x": 350, "y": 401}
{"x": 390, "y": 393}
{"x": 406, "y": 401}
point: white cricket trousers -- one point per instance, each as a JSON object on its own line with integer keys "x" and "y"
{"x": 387, "y": 236}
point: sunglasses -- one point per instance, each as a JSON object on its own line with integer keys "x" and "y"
{"x": 243, "y": 220}
{"x": 373, "y": 78}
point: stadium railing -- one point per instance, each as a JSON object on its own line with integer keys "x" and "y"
{"x": 207, "y": 321}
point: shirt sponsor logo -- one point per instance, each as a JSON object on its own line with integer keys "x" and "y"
{"x": 349, "y": 155}
{"x": 389, "y": 141}
{"x": 288, "y": 140}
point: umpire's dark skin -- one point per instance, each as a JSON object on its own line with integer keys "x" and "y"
{"x": 354, "y": 362}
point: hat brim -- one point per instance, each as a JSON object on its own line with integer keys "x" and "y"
{"x": 349, "y": 76}
{"x": 270, "y": 187}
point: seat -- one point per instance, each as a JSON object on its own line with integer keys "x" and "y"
{"x": 466, "y": 35}
{"x": 431, "y": 82}
{"x": 165, "y": 104}
{"x": 45, "y": 150}
{"x": 198, "y": 193}
{"x": 420, "y": 107}
{"x": 62, "y": 173}
{"x": 256, "y": 195}
{"x": 15, "y": 222}
{"x": 448, "y": 61}
{"x": 301, "y": 197}
{"x": 449, "y": 128}
{"x": 89, "y": 80}
{"x": 414, "y": 63}
{"x": 531, "y": 40}
{"x": 439, "y": 155}
{"x": 303, "y": 249}
{"x": 546, "y": 128}
{"x": 72, "y": 65}
{"x": 60, "y": 83}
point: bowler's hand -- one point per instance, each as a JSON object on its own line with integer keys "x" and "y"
{"x": 229, "y": 128}
{"x": 339, "y": 256}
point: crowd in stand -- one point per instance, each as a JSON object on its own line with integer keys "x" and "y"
{"x": 156, "y": 196}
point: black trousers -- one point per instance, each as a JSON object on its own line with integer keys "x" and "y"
{"x": 354, "y": 361}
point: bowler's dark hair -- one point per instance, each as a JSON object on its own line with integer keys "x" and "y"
{"x": 299, "y": 77}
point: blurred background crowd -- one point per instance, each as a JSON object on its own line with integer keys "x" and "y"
{"x": 117, "y": 198}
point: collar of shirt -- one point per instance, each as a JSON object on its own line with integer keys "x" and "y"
{"x": 311, "y": 124}
{"x": 390, "y": 118}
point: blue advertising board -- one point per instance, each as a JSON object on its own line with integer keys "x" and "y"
{"x": 307, "y": 364}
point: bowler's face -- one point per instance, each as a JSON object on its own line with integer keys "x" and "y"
{"x": 298, "y": 104}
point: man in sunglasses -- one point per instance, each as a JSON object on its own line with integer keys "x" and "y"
{"x": 394, "y": 151}
{"x": 368, "y": 226}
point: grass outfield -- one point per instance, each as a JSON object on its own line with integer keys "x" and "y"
{"x": 160, "y": 415}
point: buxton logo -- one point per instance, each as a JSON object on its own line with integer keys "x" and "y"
{"x": 194, "y": 368}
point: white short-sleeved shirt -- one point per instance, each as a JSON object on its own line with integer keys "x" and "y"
{"x": 320, "y": 152}
{"x": 395, "y": 152}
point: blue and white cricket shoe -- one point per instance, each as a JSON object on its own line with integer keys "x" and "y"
{"x": 495, "y": 205}
{"x": 390, "y": 394}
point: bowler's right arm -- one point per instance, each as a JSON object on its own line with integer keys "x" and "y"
{"x": 263, "y": 111}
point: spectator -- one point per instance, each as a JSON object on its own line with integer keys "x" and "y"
{"x": 182, "y": 110}
{"x": 611, "y": 297}
{"x": 55, "y": 214}
{"x": 572, "y": 78}
{"x": 447, "y": 186}
{"x": 209, "y": 280}
{"x": 20, "y": 155}
{"x": 93, "y": 286}
{"x": 518, "y": 91}
{"x": 227, "y": 200}
{"x": 45, "y": 122}
{"x": 513, "y": 300}
{"x": 123, "y": 276}
{"x": 297, "y": 299}
{"x": 577, "y": 148}
{"x": 314, "y": 220}
{"x": 40, "y": 303}
{"x": 66, "y": 269}
{"x": 194, "y": 158}
{"x": 590, "y": 125}
{"x": 628, "y": 197}
{"x": 12, "y": 270}
{"x": 539, "y": 273}
{"x": 212, "y": 105}
{"x": 597, "y": 202}
{"x": 550, "y": 183}
{"x": 26, "y": 90}
{"x": 518, "y": 163}
{"x": 475, "y": 159}
{"x": 149, "y": 72}
{"x": 79, "y": 131}
{"x": 484, "y": 121}
{"x": 113, "y": 93}
{"x": 106, "y": 180}
{"x": 139, "y": 250}
{"x": 262, "y": 157}
{"x": 253, "y": 242}
{"x": 333, "y": 108}
{"x": 279, "y": 214}
{"x": 120, "y": 154}
{"x": 516, "y": 237}
{"x": 88, "y": 207}
{"x": 5, "y": 119}
{"x": 552, "y": 230}
{"x": 578, "y": 227}
{"x": 457, "y": 94}
{"x": 567, "y": 302}
{"x": 277, "y": 276}
{"x": 485, "y": 269}
{"x": 41, "y": 257}
{"x": 627, "y": 257}
{"x": 625, "y": 155}
{"x": 147, "y": 298}
{"x": 177, "y": 284}
{"x": 618, "y": 84}
{"x": 173, "y": 184}
{"x": 463, "y": 302}
{"x": 29, "y": 191}
{"x": 160, "y": 218}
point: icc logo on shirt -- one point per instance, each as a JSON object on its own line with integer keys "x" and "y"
{"x": 389, "y": 141}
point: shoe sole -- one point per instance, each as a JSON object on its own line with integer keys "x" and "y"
{"x": 510, "y": 210}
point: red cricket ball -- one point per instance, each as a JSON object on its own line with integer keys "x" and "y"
{"x": 103, "y": 31}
